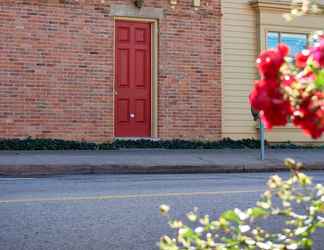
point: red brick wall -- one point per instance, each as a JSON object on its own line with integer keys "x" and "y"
{"x": 56, "y": 70}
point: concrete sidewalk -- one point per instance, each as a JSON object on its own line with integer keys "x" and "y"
{"x": 36, "y": 163}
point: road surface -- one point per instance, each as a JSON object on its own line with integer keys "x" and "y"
{"x": 114, "y": 212}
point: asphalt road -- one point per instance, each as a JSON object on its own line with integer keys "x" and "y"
{"x": 115, "y": 212}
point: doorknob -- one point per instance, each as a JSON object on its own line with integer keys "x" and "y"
{"x": 132, "y": 115}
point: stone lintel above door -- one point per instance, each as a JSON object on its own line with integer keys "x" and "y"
{"x": 134, "y": 12}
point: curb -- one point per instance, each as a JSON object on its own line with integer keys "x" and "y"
{"x": 34, "y": 170}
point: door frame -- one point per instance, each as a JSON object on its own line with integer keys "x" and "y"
{"x": 154, "y": 73}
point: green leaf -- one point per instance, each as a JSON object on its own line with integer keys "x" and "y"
{"x": 230, "y": 215}
{"x": 258, "y": 212}
{"x": 189, "y": 234}
{"x": 321, "y": 207}
{"x": 307, "y": 243}
{"x": 320, "y": 79}
{"x": 320, "y": 224}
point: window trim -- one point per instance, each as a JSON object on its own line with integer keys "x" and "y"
{"x": 264, "y": 29}
{"x": 285, "y": 32}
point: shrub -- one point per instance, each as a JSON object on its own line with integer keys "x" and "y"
{"x": 296, "y": 201}
{"x": 56, "y": 144}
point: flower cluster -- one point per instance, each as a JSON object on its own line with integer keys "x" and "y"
{"x": 267, "y": 95}
{"x": 296, "y": 203}
{"x": 291, "y": 91}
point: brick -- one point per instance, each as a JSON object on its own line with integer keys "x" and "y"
{"x": 57, "y": 70}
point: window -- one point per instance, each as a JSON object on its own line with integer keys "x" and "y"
{"x": 296, "y": 42}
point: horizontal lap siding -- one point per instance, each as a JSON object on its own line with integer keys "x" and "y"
{"x": 289, "y": 134}
{"x": 239, "y": 52}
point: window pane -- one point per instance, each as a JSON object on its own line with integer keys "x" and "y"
{"x": 295, "y": 42}
{"x": 272, "y": 40}
{"x": 314, "y": 39}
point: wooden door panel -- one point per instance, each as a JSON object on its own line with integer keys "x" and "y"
{"x": 123, "y": 111}
{"x": 123, "y": 67}
{"x": 140, "y": 71}
{"x": 123, "y": 34}
{"x": 140, "y": 109}
{"x": 140, "y": 35}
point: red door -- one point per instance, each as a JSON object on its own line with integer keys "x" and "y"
{"x": 133, "y": 79}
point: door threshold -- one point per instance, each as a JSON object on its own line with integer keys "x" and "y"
{"x": 136, "y": 138}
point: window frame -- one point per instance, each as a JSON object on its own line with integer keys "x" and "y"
{"x": 306, "y": 34}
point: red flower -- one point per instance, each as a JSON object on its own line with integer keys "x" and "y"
{"x": 309, "y": 116}
{"x": 269, "y": 62}
{"x": 267, "y": 98}
{"x": 259, "y": 97}
{"x": 283, "y": 49}
{"x": 301, "y": 58}
{"x": 278, "y": 115}
{"x": 318, "y": 53}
